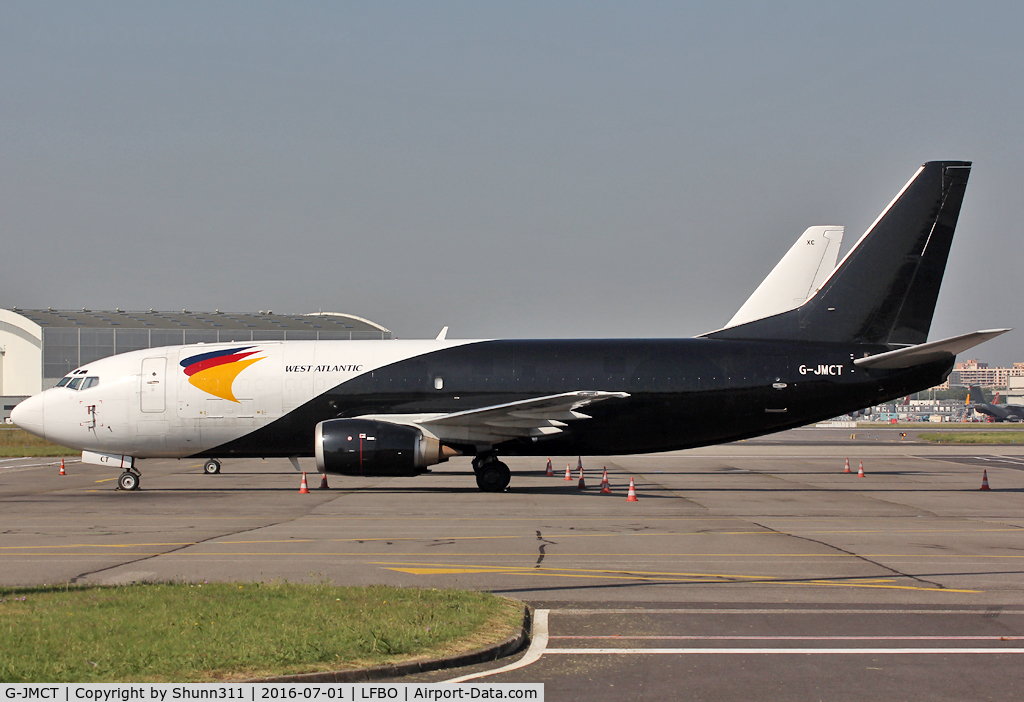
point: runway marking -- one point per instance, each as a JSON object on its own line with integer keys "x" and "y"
{"x": 646, "y": 576}
{"x": 105, "y": 480}
{"x": 39, "y": 551}
{"x": 541, "y": 638}
{"x": 172, "y": 543}
{"x": 768, "y": 651}
{"x": 498, "y": 519}
{"x": 787, "y": 610}
{"x": 538, "y": 643}
{"x": 796, "y": 638}
{"x": 531, "y": 537}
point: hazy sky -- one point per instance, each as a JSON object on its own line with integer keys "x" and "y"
{"x": 509, "y": 169}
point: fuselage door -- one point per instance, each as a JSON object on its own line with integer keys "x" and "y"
{"x": 154, "y": 377}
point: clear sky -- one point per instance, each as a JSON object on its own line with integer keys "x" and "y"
{"x": 509, "y": 169}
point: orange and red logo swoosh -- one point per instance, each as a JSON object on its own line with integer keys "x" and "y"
{"x": 215, "y": 372}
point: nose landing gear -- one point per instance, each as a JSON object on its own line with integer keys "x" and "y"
{"x": 129, "y": 480}
{"x": 212, "y": 467}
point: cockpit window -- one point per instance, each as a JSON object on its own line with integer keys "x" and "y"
{"x": 63, "y": 382}
{"x": 75, "y": 382}
{"x": 90, "y": 382}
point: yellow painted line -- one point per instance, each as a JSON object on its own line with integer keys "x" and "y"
{"x": 172, "y": 543}
{"x": 615, "y": 571}
{"x": 709, "y": 579}
{"x": 391, "y": 554}
{"x": 105, "y": 480}
{"x": 549, "y": 518}
{"x": 886, "y": 587}
{"x": 443, "y": 571}
{"x": 586, "y": 576}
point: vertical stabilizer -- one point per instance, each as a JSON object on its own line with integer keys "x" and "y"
{"x": 884, "y": 290}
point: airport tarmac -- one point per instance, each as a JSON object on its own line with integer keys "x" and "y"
{"x": 763, "y": 548}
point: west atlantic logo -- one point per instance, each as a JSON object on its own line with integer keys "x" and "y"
{"x": 215, "y": 372}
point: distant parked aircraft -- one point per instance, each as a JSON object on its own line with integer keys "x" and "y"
{"x": 999, "y": 413}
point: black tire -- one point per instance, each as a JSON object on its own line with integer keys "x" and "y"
{"x": 128, "y": 481}
{"x": 493, "y": 477}
{"x": 212, "y": 467}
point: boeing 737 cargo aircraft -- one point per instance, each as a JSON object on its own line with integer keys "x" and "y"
{"x": 397, "y": 407}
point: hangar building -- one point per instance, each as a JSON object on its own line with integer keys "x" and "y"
{"x": 38, "y": 347}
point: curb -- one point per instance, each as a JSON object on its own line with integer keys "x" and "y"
{"x": 510, "y": 645}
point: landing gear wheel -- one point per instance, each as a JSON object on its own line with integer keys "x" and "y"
{"x": 128, "y": 481}
{"x": 212, "y": 467}
{"x": 493, "y": 476}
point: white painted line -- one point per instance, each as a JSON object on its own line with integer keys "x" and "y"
{"x": 794, "y": 638}
{"x": 533, "y": 654}
{"x": 22, "y": 466}
{"x": 761, "y": 651}
{"x": 994, "y": 611}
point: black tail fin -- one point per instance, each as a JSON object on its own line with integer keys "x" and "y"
{"x": 976, "y": 395}
{"x": 884, "y": 290}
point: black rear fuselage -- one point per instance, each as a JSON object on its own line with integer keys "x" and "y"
{"x": 682, "y": 392}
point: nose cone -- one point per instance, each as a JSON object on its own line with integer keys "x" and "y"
{"x": 28, "y": 414}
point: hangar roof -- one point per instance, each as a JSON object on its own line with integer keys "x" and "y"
{"x": 185, "y": 319}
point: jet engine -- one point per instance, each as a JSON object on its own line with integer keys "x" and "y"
{"x": 369, "y": 447}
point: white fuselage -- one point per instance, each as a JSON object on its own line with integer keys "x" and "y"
{"x": 146, "y": 404}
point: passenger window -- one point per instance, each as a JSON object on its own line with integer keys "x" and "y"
{"x": 90, "y": 383}
{"x": 75, "y": 382}
{"x": 63, "y": 382}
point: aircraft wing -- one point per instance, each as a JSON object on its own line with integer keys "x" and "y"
{"x": 926, "y": 353}
{"x": 537, "y": 416}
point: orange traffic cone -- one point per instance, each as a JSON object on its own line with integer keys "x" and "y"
{"x": 323, "y": 483}
{"x": 550, "y": 472}
{"x": 579, "y": 463}
{"x": 984, "y": 480}
{"x": 860, "y": 471}
{"x": 847, "y": 468}
{"x": 303, "y": 488}
{"x": 581, "y": 485}
{"x": 568, "y": 473}
{"x": 631, "y": 495}
{"x": 606, "y": 488}
{"x": 62, "y": 467}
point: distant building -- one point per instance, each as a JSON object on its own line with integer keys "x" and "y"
{"x": 1015, "y": 391}
{"x": 38, "y": 347}
{"x": 975, "y": 372}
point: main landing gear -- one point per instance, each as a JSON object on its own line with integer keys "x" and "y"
{"x": 129, "y": 480}
{"x": 491, "y": 474}
{"x": 211, "y": 467}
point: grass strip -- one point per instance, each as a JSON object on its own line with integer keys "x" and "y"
{"x": 15, "y": 443}
{"x": 973, "y": 437}
{"x": 198, "y": 632}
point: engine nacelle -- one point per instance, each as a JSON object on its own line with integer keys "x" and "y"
{"x": 368, "y": 447}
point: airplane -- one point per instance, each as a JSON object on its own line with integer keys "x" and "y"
{"x": 999, "y": 413}
{"x": 397, "y": 407}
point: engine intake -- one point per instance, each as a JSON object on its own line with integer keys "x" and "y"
{"x": 369, "y": 447}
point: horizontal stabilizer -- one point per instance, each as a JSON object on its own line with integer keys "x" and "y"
{"x": 926, "y": 353}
